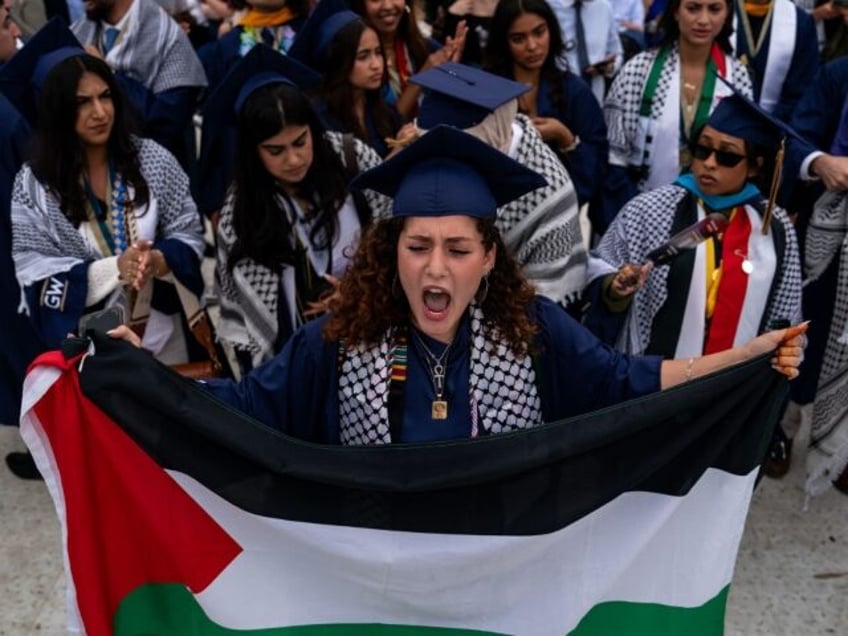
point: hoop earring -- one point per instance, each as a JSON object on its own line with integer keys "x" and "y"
{"x": 482, "y": 290}
{"x": 396, "y": 293}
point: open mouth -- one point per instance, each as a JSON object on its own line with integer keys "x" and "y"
{"x": 436, "y": 303}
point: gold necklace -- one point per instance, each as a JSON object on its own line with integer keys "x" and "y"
{"x": 437, "y": 365}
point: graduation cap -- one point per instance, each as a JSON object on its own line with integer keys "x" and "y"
{"x": 446, "y": 172}
{"x": 260, "y": 67}
{"x": 739, "y": 116}
{"x": 22, "y": 77}
{"x": 462, "y": 96}
{"x": 313, "y": 38}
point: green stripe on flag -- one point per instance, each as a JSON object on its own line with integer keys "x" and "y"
{"x": 171, "y": 610}
{"x": 649, "y": 619}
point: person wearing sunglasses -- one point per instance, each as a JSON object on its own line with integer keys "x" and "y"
{"x": 726, "y": 289}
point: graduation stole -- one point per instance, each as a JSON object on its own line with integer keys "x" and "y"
{"x": 109, "y": 226}
{"x": 114, "y": 229}
{"x": 681, "y": 327}
{"x": 502, "y": 387}
{"x": 737, "y": 289}
{"x": 780, "y": 25}
{"x": 716, "y": 64}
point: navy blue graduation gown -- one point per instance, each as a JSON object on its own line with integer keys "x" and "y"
{"x": 804, "y": 64}
{"x": 817, "y": 118}
{"x": 297, "y": 391}
{"x": 375, "y": 140}
{"x": 584, "y": 117}
{"x": 19, "y": 344}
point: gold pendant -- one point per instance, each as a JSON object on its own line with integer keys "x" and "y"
{"x": 439, "y": 410}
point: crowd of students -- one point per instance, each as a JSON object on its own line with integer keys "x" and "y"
{"x": 125, "y": 125}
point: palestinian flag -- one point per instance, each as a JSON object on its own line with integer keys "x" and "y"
{"x": 181, "y": 516}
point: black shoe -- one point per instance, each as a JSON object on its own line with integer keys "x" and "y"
{"x": 779, "y": 456}
{"x": 22, "y": 465}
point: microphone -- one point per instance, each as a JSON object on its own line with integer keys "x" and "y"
{"x": 690, "y": 238}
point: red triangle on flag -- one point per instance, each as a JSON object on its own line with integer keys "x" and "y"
{"x": 129, "y": 522}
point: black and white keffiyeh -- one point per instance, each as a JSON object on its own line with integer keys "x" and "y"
{"x": 827, "y": 238}
{"x": 45, "y": 242}
{"x": 643, "y": 225}
{"x": 249, "y": 294}
{"x": 502, "y": 388}
{"x": 542, "y": 228}
{"x": 151, "y": 49}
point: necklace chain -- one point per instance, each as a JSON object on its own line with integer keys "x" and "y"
{"x": 435, "y": 364}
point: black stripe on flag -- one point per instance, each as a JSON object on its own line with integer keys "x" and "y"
{"x": 531, "y": 482}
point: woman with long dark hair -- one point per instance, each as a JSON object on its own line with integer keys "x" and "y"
{"x": 406, "y": 50}
{"x": 351, "y": 99}
{"x": 288, "y": 224}
{"x": 346, "y": 50}
{"x": 101, "y": 217}
{"x": 661, "y": 96}
{"x": 525, "y": 43}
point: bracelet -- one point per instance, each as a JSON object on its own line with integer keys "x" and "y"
{"x": 689, "y": 364}
{"x": 570, "y": 147}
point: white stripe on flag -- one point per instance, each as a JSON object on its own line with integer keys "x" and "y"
{"x": 641, "y": 547}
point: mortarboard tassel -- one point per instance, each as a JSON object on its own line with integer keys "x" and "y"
{"x": 775, "y": 185}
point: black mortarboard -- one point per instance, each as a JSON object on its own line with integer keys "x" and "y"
{"x": 23, "y": 75}
{"x": 462, "y": 96}
{"x": 260, "y": 67}
{"x": 314, "y": 37}
{"x": 446, "y": 172}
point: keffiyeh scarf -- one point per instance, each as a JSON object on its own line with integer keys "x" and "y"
{"x": 249, "y": 293}
{"x": 502, "y": 388}
{"x": 45, "y": 242}
{"x": 151, "y": 48}
{"x": 641, "y": 226}
{"x": 542, "y": 228}
{"x": 827, "y": 238}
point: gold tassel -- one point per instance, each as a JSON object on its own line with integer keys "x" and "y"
{"x": 775, "y": 185}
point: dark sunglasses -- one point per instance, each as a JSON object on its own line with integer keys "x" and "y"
{"x": 724, "y": 158}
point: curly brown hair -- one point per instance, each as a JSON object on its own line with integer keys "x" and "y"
{"x": 366, "y": 307}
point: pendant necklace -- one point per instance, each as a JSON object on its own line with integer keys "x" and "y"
{"x": 437, "y": 365}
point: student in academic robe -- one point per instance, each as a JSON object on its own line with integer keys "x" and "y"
{"x": 271, "y": 23}
{"x": 19, "y": 344}
{"x": 663, "y": 96}
{"x": 541, "y": 228}
{"x": 340, "y": 45}
{"x": 153, "y": 62}
{"x": 820, "y": 182}
{"x": 98, "y": 214}
{"x": 525, "y": 44}
{"x": 288, "y": 225}
{"x": 215, "y": 163}
{"x": 435, "y": 334}
{"x": 406, "y": 50}
{"x": 778, "y": 40}
{"x": 729, "y": 288}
